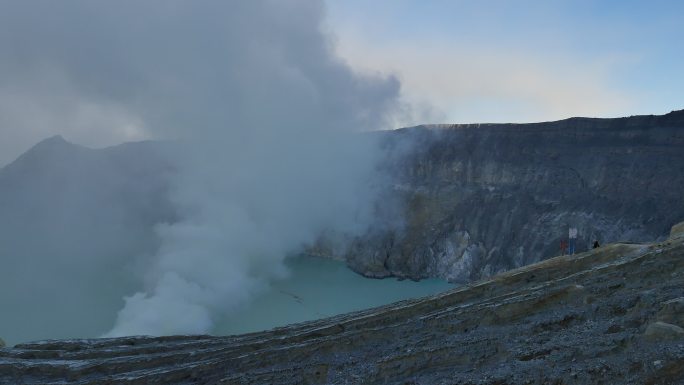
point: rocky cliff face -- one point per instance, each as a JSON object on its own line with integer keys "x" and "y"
{"x": 474, "y": 199}
{"x": 481, "y": 199}
{"x": 613, "y": 315}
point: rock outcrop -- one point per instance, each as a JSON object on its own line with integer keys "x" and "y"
{"x": 662, "y": 331}
{"x": 677, "y": 231}
{"x": 485, "y": 198}
{"x": 595, "y": 317}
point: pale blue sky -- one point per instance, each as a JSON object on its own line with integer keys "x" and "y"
{"x": 477, "y": 61}
{"x": 93, "y": 70}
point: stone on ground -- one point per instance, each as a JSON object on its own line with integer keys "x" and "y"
{"x": 661, "y": 331}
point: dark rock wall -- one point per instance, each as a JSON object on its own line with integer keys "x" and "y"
{"x": 479, "y": 199}
{"x": 474, "y": 199}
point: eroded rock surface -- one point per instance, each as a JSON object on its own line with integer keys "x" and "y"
{"x": 596, "y": 317}
{"x": 480, "y": 199}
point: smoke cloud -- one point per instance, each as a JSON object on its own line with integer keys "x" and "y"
{"x": 261, "y": 113}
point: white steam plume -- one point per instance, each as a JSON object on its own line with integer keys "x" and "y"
{"x": 263, "y": 113}
{"x": 268, "y": 163}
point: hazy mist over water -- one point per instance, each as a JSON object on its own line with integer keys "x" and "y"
{"x": 262, "y": 115}
{"x": 317, "y": 288}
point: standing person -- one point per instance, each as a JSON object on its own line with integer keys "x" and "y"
{"x": 563, "y": 246}
{"x": 596, "y": 244}
{"x": 572, "y": 235}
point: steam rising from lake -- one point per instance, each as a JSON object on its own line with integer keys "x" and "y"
{"x": 262, "y": 115}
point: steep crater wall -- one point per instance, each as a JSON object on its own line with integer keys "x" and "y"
{"x": 484, "y": 198}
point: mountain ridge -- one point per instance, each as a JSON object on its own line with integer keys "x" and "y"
{"x": 484, "y": 207}
{"x": 457, "y": 181}
{"x": 675, "y": 117}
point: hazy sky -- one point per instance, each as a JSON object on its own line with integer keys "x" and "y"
{"x": 521, "y": 61}
{"x": 458, "y": 62}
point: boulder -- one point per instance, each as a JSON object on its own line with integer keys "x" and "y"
{"x": 677, "y": 230}
{"x": 672, "y": 312}
{"x": 661, "y": 331}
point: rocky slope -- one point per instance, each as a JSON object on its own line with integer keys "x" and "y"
{"x": 481, "y": 199}
{"x": 610, "y": 315}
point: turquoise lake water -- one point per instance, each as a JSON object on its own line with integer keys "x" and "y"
{"x": 318, "y": 288}
{"x": 315, "y": 288}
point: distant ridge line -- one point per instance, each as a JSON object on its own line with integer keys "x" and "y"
{"x": 674, "y": 118}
